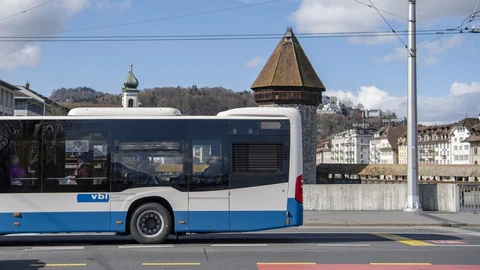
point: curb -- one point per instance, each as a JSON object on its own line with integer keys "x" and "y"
{"x": 443, "y": 224}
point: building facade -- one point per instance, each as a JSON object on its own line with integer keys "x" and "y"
{"x": 459, "y": 149}
{"x": 352, "y": 146}
{"x": 31, "y": 103}
{"x": 330, "y": 108}
{"x": 433, "y": 145}
{"x": 324, "y": 152}
{"x": 402, "y": 149}
{"x": 474, "y": 144}
{"x": 384, "y": 145}
{"x": 7, "y": 98}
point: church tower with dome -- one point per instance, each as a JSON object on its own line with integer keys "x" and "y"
{"x": 130, "y": 91}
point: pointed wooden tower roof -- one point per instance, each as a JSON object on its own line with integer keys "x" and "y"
{"x": 288, "y": 76}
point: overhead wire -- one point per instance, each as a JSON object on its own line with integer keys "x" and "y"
{"x": 26, "y": 10}
{"x": 207, "y": 37}
{"x": 384, "y": 11}
{"x": 438, "y": 31}
{"x": 459, "y": 27}
{"x": 158, "y": 19}
{"x": 401, "y": 40}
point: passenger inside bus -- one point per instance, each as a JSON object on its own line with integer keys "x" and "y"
{"x": 80, "y": 172}
{"x": 16, "y": 172}
{"x": 214, "y": 170}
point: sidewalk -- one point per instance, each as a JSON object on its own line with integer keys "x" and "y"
{"x": 389, "y": 218}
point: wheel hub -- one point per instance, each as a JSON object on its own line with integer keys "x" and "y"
{"x": 149, "y": 223}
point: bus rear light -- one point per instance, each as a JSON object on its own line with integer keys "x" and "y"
{"x": 299, "y": 189}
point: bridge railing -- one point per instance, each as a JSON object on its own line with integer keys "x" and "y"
{"x": 469, "y": 198}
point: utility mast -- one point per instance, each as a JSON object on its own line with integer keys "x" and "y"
{"x": 413, "y": 200}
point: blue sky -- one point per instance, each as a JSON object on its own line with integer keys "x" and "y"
{"x": 373, "y": 74}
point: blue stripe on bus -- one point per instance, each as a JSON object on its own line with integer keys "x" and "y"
{"x": 63, "y": 222}
{"x": 240, "y": 221}
{"x": 196, "y": 221}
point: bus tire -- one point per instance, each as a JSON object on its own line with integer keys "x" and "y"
{"x": 150, "y": 223}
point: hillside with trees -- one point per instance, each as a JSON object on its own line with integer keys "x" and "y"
{"x": 329, "y": 124}
{"x": 189, "y": 100}
{"x": 209, "y": 101}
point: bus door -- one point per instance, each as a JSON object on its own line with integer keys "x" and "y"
{"x": 258, "y": 176}
{"x": 208, "y": 187}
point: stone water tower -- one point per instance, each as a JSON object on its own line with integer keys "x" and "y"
{"x": 288, "y": 79}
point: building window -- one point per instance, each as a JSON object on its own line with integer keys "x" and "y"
{"x": 130, "y": 103}
{"x": 455, "y": 148}
{"x": 20, "y": 104}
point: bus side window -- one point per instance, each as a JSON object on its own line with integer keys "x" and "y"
{"x": 209, "y": 155}
{"x": 75, "y": 156}
{"x": 19, "y": 155}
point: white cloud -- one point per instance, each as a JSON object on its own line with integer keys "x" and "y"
{"x": 459, "y": 88}
{"x": 348, "y": 16}
{"x": 255, "y": 62}
{"x": 445, "y": 109}
{"x": 400, "y": 54}
{"x": 442, "y": 45}
{"x": 13, "y": 56}
{"x": 51, "y": 18}
{"x": 426, "y": 51}
{"x": 112, "y": 4}
{"x": 430, "y": 61}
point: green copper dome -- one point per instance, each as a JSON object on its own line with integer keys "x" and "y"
{"x": 131, "y": 82}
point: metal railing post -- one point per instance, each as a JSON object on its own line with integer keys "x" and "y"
{"x": 475, "y": 192}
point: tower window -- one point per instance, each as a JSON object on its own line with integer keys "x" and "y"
{"x": 130, "y": 103}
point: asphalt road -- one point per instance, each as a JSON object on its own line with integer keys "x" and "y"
{"x": 297, "y": 248}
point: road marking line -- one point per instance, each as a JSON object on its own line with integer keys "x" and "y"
{"x": 449, "y": 242}
{"x": 400, "y": 263}
{"x": 239, "y": 245}
{"x": 53, "y": 248}
{"x": 286, "y": 263}
{"x": 343, "y": 245}
{"x": 404, "y": 240}
{"x": 169, "y": 264}
{"x": 457, "y": 245}
{"x": 56, "y": 264}
{"x": 147, "y": 246}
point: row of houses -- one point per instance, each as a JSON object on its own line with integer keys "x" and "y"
{"x": 20, "y": 100}
{"x": 457, "y": 143}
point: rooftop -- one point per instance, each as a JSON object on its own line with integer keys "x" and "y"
{"x": 288, "y": 66}
{"x": 7, "y": 85}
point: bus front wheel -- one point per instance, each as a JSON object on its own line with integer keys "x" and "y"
{"x": 150, "y": 223}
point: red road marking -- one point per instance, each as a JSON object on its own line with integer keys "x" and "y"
{"x": 447, "y": 242}
{"x": 366, "y": 267}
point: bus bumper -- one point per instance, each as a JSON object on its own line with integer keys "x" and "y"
{"x": 295, "y": 213}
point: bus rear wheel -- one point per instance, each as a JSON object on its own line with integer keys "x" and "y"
{"x": 150, "y": 224}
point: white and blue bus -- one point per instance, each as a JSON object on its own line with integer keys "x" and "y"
{"x": 151, "y": 172}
